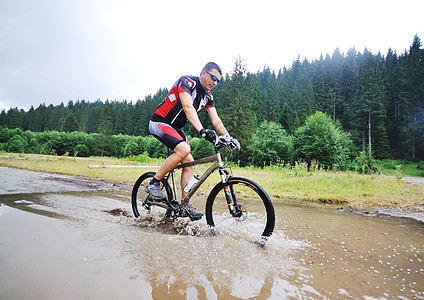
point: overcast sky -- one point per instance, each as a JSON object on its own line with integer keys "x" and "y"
{"x": 53, "y": 51}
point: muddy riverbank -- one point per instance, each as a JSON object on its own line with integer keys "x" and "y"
{"x": 66, "y": 237}
{"x": 25, "y": 181}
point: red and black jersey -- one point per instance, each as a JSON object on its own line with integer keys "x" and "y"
{"x": 170, "y": 110}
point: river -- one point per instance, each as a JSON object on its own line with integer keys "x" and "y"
{"x": 65, "y": 237}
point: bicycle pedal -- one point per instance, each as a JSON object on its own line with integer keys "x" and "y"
{"x": 193, "y": 218}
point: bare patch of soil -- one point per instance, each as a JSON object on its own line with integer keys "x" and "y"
{"x": 19, "y": 181}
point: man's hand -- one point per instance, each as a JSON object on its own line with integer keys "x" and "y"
{"x": 230, "y": 141}
{"x": 235, "y": 144}
{"x": 208, "y": 134}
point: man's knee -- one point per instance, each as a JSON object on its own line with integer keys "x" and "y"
{"x": 183, "y": 150}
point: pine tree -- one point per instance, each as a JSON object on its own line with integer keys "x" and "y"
{"x": 370, "y": 111}
{"x": 15, "y": 118}
{"x": 3, "y": 118}
{"x": 83, "y": 119}
{"x": 71, "y": 124}
{"x": 104, "y": 143}
{"x": 237, "y": 114}
{"x": 396, "y": 110}
{"x": 414, "y": 95}
{"x": 33, "y": 120}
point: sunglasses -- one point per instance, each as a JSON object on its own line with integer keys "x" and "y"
{"x": 213, "y": 77}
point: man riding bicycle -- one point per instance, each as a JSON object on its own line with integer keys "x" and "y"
{"x": 188, "y": 95}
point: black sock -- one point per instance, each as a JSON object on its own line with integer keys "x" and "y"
{"x": 154, "y": 180}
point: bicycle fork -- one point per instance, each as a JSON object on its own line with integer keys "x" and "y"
{"x": 230, "y": 195}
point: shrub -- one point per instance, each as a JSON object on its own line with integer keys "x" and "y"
{"x": 143, "y": 158}
{"x": 363, "y": 164}
{"x": 131, "y": 148}
{"x": 270, "y": 145}
{"x": 17, "y": 144}
{"x": 322, "y": 140}
{"x": 82, "y": 150}
{"x": 201, "y": 148}
{"x": 155, "y": 148}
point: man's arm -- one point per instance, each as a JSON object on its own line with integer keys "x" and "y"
{"x": 216, "y": 121}
{"x": 190, "y": 111}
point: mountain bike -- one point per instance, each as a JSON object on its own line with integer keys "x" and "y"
{"x": 235, "y": 206}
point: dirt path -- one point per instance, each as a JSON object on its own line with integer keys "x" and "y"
{"x": 13, "y": 181}
{"x": 419, "y": 180}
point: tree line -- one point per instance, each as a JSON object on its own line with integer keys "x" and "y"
{"x": 377, "y": 100}
{"x": 319, "y": 141}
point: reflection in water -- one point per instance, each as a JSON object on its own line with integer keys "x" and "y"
{"x": 315, "y": 252}
{"x": 213, "y": 265}
{"x": 361, "y": 256}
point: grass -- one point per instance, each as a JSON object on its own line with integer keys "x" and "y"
{"x": 76, "y": 166}
{"x": 359, "y": 191}
{"x": 398, "y": 167}
{"x": 281, "y": 183}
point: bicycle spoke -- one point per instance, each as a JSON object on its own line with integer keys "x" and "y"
{"x": 140, "y": 198}
{"x": 254, "y": 220}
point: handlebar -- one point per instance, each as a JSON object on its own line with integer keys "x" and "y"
{"x": 226, "y": 141}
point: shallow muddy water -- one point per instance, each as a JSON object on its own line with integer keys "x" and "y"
{"x": 77, "y": 239}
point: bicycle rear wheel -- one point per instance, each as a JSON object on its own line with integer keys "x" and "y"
{"x": 139, "y": 194}
{"x": 254, "y": 218}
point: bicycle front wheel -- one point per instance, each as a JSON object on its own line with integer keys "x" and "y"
{"x": 139, "y": 194}
{"x": 252, "y": 212}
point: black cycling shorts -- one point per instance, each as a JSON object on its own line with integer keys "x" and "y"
{"x": 167, "y": 134}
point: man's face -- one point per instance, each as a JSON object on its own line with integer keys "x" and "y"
{"x": 206, "y": 79}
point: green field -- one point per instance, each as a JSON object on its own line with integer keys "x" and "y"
{"x": 282, "y": 183}
{"x": 403, "y": 167}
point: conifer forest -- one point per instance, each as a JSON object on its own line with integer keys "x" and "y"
{"x": 375, "y": 101}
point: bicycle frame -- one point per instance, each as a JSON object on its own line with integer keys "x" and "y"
{"x": 217, "y": 165}
{"x": 229, "y": 188}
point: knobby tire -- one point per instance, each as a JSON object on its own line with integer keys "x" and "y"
{"x": 258, "y": 211}
{"x": 139, "y": 194}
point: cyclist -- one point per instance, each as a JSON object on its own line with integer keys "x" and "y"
{"x": 188, "y": 95}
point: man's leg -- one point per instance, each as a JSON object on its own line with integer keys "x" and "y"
{"x": 186, "y": 175}
{"x": 181, "y": 154}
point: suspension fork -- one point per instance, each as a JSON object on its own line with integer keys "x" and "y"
{"x": 230, "y": 194}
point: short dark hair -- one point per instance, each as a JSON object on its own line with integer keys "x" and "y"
{"x": 211, "y": 65}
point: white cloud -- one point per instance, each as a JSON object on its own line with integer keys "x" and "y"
{"x": 56, "y": 50}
